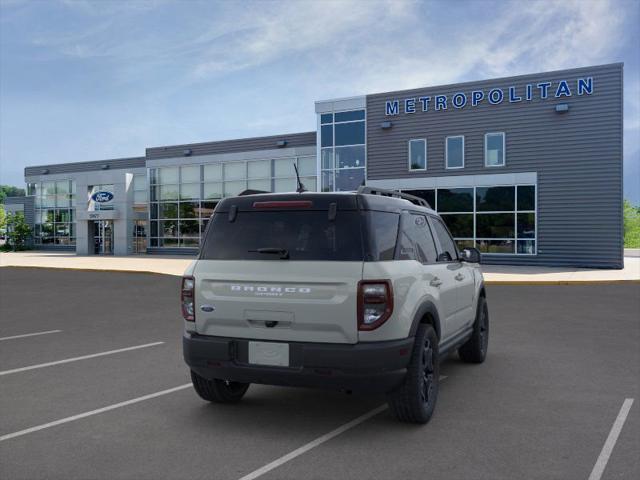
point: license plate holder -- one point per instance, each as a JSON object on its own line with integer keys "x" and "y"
{"x": 269, "y": 353}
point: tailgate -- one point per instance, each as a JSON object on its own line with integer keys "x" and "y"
{"x": 298, "y": 301}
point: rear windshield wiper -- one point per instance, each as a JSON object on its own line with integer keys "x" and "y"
{"x": 283, "y": 252}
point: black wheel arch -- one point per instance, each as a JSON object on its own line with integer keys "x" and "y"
{"x": 427, "y": 313}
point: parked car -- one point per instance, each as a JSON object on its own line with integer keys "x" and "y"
{"x": 361, "y": 291}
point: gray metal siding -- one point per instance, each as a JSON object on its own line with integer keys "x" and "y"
{"x": 230, "y": 146}
{"x": 577, "y": 156}
{"x": 113, "y": 164}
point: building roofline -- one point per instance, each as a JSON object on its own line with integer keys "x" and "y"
{"x": 228, "y": 140}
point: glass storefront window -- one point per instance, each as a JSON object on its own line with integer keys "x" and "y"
{"x": 327, "y": 159}
{"x": 495, "y": 246}
{"x": 235, "y": 170}
{"x": 349, "y": 157}
{"x": 189, "y": 209}
{"x": 349, "y": 133}
{"x": 213, "y": 172}
{"x": 349, "y": 179}
{"x": 283, "y": 167}
{"x": 343, "y": 150}
{"x": 189, "y": 191}
{"x": 307, "y": 166}
{"x": 234, "y": 188}
{"x": 495, "y": 199}
{"x": 54, "y": 212}
{"x": 183, "y": 198}
{"x": 460, "y": 225}
{"x": 263, "y": 185}
{"x": 455, "y": 200}
{"x": 259, "y": 169}
{"x": 190, "y": 174}
{"x": 284, "y": 185}
{"x": 502, "y": 220}
{"x": 526, "y": 197}
{"x": 213, "y": 190}
{"x": 168, "y": 175}
{"x": 169, "y": 192}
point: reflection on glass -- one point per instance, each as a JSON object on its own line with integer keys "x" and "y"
{"x": 417, "y": 154}
{"x": 495, "y": 199}
{"x": 494, "y": 149}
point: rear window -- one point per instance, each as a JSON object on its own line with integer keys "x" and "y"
{"x": 305, "y": 235}
{"x": 382, "y": 233}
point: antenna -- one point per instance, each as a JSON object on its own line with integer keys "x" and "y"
{"x": 300, "y": 188}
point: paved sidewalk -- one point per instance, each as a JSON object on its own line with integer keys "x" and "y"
{"x": 175, "y": 265}
{"x": 168, "y": 265}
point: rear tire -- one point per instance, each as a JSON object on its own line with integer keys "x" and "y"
{"x": 475, "y": 349}
{"x": 415, "y": 400}
{"x": 218, "y": 391}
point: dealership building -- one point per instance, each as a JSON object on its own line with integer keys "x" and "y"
{"x": 527, "y": 169}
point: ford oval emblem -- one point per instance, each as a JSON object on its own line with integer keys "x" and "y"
{"x": 102, "y": 197}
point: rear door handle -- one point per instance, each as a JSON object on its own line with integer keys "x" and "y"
{"x": 459, "y": 277}
{"x": 436, "y": 282}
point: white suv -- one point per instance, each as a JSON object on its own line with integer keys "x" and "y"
{"x": 360, "y": 291}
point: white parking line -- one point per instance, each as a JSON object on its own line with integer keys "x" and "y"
{"x": 29, "y": 335}
{"x": 318, "y": 441}
{"x": 92, "y": 412}
{"x": 601, "y": 463}
{"x": 75, "y": 359}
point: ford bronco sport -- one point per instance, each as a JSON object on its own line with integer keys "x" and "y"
{"x": 361, "y": 291}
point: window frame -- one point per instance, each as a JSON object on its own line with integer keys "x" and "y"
{"x": 426, "y": 160}
{"x": 436, "y": 239}
{"x": 332, "y": 172}
{"x": 504, "y": 149}
{"x": 446, "y": 152}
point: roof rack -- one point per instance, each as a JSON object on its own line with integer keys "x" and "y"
{"x": 394, "y": 193}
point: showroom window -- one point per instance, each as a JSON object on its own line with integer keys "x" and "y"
{"x": 54, "y": 212}
{"x": 342, "y": 150}
{"x": 418, "y": 154}
{"x": 454, "y": 151}
{"x": 183, "y": 198}
{"x": 494, "y": 219}
{"x": 494, "y": 150}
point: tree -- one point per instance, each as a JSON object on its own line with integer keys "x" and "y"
{"x": 9, "y": 191}
{"x": 3, "y": 218}
{"x": 18, "y": 231}
{"x": 631, "y": 225}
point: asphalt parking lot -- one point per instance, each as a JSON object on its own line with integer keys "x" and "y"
{"x": 562, "y": 360}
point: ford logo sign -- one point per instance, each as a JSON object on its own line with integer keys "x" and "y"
{"x": 102, "y": 197}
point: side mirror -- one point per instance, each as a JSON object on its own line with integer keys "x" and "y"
{"x": 471, "y": 255}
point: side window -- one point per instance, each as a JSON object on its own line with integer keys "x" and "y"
{"x": 416, "y": 242}
{"x": 449, "y": 252}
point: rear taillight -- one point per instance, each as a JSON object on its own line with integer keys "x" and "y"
{"x": 375, "y": 303}
{"x": 187, "y": 298}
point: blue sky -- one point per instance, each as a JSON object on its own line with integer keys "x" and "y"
{"x": 88, "y": 80}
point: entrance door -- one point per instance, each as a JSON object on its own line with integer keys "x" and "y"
{"x": 103, "y": 237}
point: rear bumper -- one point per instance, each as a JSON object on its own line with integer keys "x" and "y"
{"x": 369, "y": 367}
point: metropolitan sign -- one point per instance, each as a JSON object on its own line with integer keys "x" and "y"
{"x": 493, "y": 96}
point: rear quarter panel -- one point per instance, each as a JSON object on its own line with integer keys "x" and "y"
{"x": 411, "y": 289}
